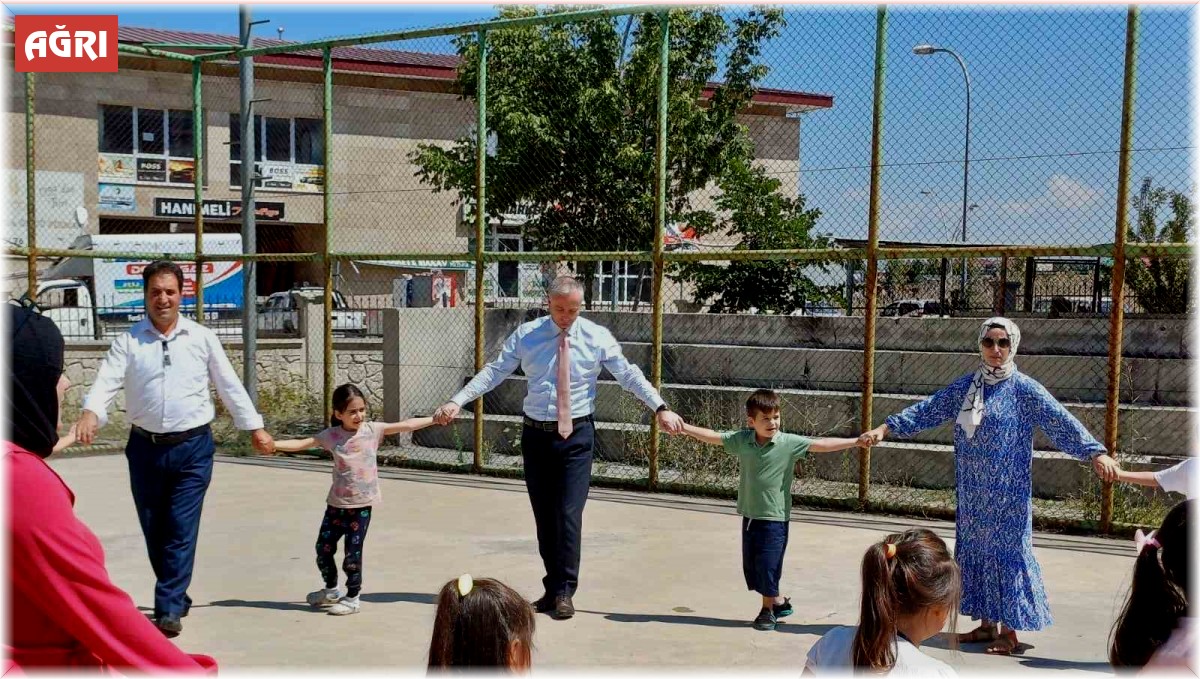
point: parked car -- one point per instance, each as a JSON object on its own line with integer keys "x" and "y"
{"x": 281, "y": 312}
{"x": 1069, "y": 304}
{"x": 913, "y": 308}
{"x": 820, "y": 310}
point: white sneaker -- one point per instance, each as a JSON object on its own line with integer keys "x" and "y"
{"x": 345, "y": 606}
{"x": 324, "y": 598}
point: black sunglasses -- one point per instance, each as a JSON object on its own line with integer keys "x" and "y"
{"x": 988, "y": 343}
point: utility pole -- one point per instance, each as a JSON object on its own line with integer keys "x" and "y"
{"x": 249, "y": 229}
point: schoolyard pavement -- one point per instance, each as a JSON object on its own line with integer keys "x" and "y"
{"x": 660, "y": 584}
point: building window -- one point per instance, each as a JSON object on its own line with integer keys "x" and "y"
{"x": 623, "y": 277}
{"x": 289, "y": 153}
{"x": 142, "y": 145}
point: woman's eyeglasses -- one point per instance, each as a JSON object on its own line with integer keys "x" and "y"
{"x": 988, "y": 343}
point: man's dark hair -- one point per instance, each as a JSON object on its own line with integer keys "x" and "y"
{"x": 162, "y": 266}
{"x": 763, "y": 401}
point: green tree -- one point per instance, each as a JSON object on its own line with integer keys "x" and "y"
{"x": 764, "y": 219}
{"x": 900, "y": 277}
{"x": 574, "y": 111}
{"x": 1161, "y": 285}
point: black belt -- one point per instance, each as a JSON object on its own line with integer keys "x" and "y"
{"x": 170, "y": 438}
{"x": 553, "y": 426}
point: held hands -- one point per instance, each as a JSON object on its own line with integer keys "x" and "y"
{"x": 446, "y": 413}
{"x": 872, "y": 437}
{"x": 670, "y": 422}
{"x": 263, "y": 442}
{"x": 1105, "y": 467}
{"x": 85, "y": 428}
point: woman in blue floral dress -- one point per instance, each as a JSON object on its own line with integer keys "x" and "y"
{"x": 996, "y": 409}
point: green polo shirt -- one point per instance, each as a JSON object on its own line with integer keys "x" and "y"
{"x": 767, "y": 471}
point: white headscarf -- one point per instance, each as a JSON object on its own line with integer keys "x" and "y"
{"x": 970, "y": 414}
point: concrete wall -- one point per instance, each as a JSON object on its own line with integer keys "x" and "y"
{"x": 282, "y": 368}
{"x": 713, "y": 362}
{"x": 428, "y": 353}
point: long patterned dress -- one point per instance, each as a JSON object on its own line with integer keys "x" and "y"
{"x": 1002, "y": 580}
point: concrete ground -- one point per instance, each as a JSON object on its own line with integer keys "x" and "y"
{"x": 661, "y": 581}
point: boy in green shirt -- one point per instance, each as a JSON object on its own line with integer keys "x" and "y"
{"x": 768, "y": 465}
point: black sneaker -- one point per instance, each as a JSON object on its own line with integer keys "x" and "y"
{"x": 169, "y": 626}
{"x": 543, "y": 605}
{"x": 784, "y": 609}
{"x": 765, "y": 620}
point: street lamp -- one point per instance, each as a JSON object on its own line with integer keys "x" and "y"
{"x": 924, "y": 51}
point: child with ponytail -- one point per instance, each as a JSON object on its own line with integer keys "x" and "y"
{"x": 910, "y": 586}
{"x": 1157, "y": 607}
{"x": 481, "y": 625}
{"x": 353, "y": 441}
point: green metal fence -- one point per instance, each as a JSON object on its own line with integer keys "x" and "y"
{"x": 657, "y": 154}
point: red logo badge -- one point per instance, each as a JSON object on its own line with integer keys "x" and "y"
{"x": 65, "y": 44}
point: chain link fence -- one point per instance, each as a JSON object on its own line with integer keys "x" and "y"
{"x": 826, "y": 203}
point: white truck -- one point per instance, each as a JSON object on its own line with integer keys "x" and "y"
{"x": 281, "y": 313}
{"x": 98, "y": 298}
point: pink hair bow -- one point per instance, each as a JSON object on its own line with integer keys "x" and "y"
{"x": 1142, "y": 539}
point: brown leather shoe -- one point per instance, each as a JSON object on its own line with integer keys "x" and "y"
{"x": 563, "y": 607}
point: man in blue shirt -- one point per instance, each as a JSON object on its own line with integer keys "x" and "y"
{"x": 558, "y": 438}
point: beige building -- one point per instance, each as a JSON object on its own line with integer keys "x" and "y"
{"x": 120, "y": 146}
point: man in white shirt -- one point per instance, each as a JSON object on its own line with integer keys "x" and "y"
{"x": 166, "y": 362}
{"x": 558, "y": 438}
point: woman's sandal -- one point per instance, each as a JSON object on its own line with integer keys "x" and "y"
{"x": 1005, "y": 644}
{"x": 978, "y": 635}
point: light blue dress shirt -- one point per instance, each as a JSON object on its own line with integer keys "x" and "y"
{"x": 534, "y": 347}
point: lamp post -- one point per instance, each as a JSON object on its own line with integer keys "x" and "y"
{"x": 926, "y": 50}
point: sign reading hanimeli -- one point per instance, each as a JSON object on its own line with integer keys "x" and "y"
{"x": 215, "y": 209}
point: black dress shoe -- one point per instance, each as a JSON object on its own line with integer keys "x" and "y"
{"x": 169, "y": 626}
{"x": 563, "y": 607}
{"x": 543, "y": 605}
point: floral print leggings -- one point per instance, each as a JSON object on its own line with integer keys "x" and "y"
{"x": 352, "y": 523}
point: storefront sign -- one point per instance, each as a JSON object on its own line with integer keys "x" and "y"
{"x": 151, "y": 170}
{"x": 117, "y": 168}
{"x": 216, "y": 209}
{"x": 117, "y": 198}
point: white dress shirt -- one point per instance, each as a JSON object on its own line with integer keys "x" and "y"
{"x": 166, "y": 379}
{"x": 534, "y": 347}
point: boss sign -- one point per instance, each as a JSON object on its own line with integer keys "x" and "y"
{"x": 65, "y": 44}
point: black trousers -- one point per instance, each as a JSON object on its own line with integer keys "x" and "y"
{"x": 351, "y": 524}
{"x": 558, "y": 474}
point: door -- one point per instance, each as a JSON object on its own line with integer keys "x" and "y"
{"x": 508, "y": 274}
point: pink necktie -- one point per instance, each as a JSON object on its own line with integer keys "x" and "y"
{"x": 564, "y": 387}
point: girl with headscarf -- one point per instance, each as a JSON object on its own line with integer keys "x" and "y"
{"x": 64, "y": 611}
{"x": 995, "y": 410}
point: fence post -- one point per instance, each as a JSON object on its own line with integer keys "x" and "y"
{"x": 198, "y": 196}
{"x": 327, "y": 216}
{"x": 480, "y": 204}
{"x": 660, "y": 225}
{"x": 1117, "y": 316}
{"x": 30, "y": 193}
{"x": 871, "y": 293}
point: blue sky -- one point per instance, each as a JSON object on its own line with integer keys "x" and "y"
{"x": 1046, "y": 97}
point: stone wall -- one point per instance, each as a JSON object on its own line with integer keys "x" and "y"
{"x": 282, "y": 369}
